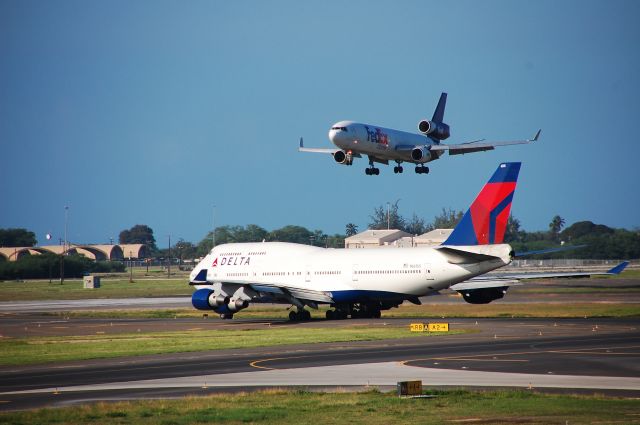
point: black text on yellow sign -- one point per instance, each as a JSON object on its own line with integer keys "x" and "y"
{"x": 430, "y": 327}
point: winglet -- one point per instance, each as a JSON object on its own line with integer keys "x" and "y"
{"x": 535, "y": 138}
{"x": 619, "y": 268}
{"x": 301, "y": 143}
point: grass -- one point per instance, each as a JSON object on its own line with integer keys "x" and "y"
{"x": 39, "y": 350}
{"x": 370, "y": 408}
{"x": 109, "y": 288}
{"x": 549, "y": 310}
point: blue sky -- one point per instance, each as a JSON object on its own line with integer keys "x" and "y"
{"x": 152, "y": 112}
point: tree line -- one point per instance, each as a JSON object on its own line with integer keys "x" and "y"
{"x": 602, "y": 242}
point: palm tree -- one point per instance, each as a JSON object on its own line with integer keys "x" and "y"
{"x": 351, "y": 229}
{"x": 557, "y": 223}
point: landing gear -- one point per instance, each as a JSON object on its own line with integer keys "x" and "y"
{"x": 300, "y": 315}
{"x": 398, "y": 169}
{"x": 355, "y": 311}
{"x": 422, "y": 170}
{"x": 371, "y": 171}
{"x": 226, "y": 316}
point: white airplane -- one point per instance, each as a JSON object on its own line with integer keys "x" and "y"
{"x": 362, "y": 282}
{"x": 383, "y": 145}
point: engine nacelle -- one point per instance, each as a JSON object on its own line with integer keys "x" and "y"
{"x": 421, "y": 154}
{"x": 483, "y": 295}
{"x": 237, "y": 304}
{"x": 206, "y": 299}
{"x": 342, "y": 157}
{"x": 437, "y": 130}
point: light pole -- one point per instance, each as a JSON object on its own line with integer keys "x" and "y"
{"x": 388, "y": 218}
{"x": 213, "y": 234}
{"x": 64, "y": 247}
{"x": 169, "y": 267}
{"x": 130, "y": 267}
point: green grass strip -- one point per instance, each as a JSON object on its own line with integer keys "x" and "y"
{"x": 37, "y": 350}
{"x": 369, "y": 408}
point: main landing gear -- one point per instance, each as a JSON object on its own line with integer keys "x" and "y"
{"x": 300, "y": 315}
{"x": 371, "y": 171}
{"x": 422, "y": 170}
{"x": 398, "y": 169}
{"x": 355, "y": 311}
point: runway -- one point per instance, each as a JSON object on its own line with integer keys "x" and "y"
{"x": 597, "y": 355}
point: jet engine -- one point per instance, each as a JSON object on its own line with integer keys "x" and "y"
{"x": 342, "y": 157}
{"x": 206, "y": 299}
{"x": 421, "y": 154}
{"x": 237, "y": 305}
{"x": 483, "y": 295}
{"x": 437, "y": 130}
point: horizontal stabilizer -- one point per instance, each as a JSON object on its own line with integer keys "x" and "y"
{"x": 460, "y": 256}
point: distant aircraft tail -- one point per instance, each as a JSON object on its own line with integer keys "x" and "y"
{"x": 438, "y": 114}
{"x": 485, "y": 221}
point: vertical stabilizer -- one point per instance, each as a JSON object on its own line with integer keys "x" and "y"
{"x": 438, "y": 114}
{"x": 485, "y": 221}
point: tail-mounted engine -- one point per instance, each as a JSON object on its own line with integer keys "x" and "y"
{"x": 436, "y": 130}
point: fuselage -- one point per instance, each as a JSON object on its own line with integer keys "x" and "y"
{"x": 341, "y": 274}
{"x": 374, "y": 140}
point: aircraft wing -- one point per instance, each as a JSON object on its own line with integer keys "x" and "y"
{"x": 487, "y": 288}
{"x": 480, "y": 145}
{"x": 332, "y": 151}
{"x": 505, "y": 280}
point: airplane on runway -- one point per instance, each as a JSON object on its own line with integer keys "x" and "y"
{"x": 383, "y": 145}
{"x": 363, "y": 282}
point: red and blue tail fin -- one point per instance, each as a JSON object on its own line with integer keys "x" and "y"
{"x": 486, "y": 220}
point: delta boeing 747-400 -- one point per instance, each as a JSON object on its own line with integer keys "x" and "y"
{"x": 363, "y": 282}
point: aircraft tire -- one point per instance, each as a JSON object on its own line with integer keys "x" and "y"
{"x": 426, "y": 170}
{"x": 400, "y": 169}
{"x": 306, "y": 315}
{"x": 376, "y": 314}
{"x": 226, "y": 316}
{"x": 376, "y": 171}
{"x": 329, "y": 315}
{"x": 293, "y": 316}
{"x": 367, "y": 171}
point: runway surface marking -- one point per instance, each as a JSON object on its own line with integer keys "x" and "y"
{"x": 381, "y": 374}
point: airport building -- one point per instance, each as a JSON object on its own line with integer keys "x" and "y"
{"x": 93, "y": 252}
{"x": 378, "y": 238}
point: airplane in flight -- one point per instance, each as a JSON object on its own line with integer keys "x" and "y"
{"x": 363, "y": 282}
{"x": 384, "y": 145}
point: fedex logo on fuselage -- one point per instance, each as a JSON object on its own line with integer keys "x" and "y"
{"x": 231, "y": 261}
{"x": 377, "y": 136}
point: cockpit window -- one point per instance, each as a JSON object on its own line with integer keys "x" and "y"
{"x": 339, "y": 128}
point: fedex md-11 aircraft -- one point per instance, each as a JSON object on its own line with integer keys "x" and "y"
{"x": 383, "y": 145}
{"x": 363, "y": 282}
